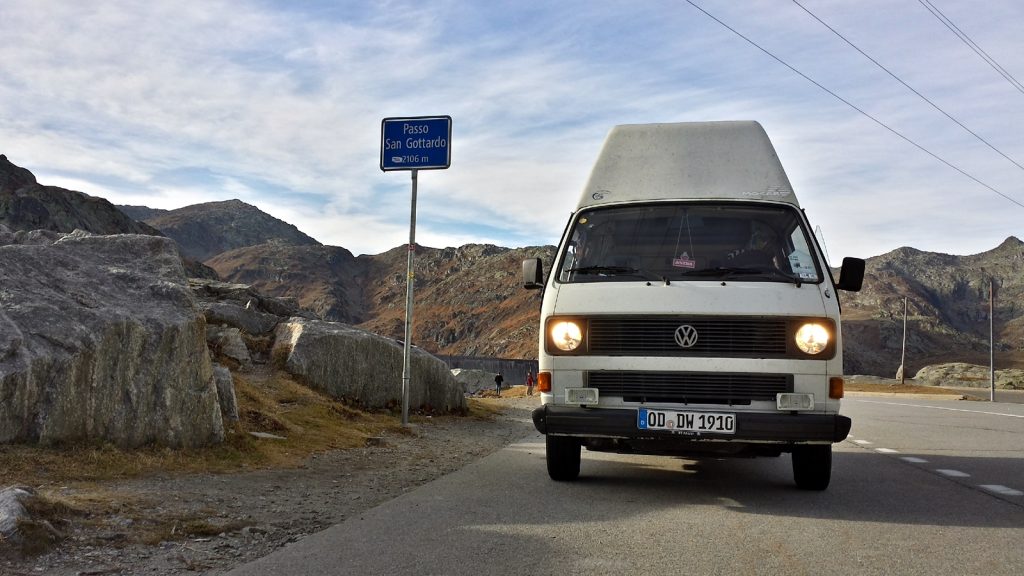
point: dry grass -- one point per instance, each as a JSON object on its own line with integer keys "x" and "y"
{"x": 170, "y": 529}
{"x": 309, "y": 421}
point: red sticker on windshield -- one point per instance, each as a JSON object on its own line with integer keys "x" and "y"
{"x": 684, "y": 261}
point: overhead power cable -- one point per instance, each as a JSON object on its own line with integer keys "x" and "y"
{"x": 908, "y": 86}
{"x": 971, "y": 44}
{"x": 851, "y": 105}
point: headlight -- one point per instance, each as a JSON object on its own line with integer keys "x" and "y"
{"x": 812, "y": 338}
{"x": 566, "y": 335}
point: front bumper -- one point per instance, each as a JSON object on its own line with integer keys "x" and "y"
{"x": 751, "y": 427}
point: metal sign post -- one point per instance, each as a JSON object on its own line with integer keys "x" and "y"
{"x": 418, "y": 143}
{"x": 410, "y": 279}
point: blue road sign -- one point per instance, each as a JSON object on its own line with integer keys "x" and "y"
{"x": 419, "y": 143}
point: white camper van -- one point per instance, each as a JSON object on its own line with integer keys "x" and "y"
{"x": 689, "y": 310}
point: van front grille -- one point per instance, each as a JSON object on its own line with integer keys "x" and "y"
{"x": 689, "y": 387}
{"x": 740, "y": 337}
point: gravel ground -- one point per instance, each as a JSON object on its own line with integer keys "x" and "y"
{"x": 254, "y": 513}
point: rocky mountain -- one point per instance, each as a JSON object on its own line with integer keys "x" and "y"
{"x": 141, "y": 213}
{"x": 947, "y": 310}
{"x": 205, "y": 230}
{"x": 468, "y": 300}
{"x": 27, "y": 205}
{"x": 324, "y": 279}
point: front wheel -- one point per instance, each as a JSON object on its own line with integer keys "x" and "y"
{"x": 563, "y": 456}
{"x": 812, "y": 466}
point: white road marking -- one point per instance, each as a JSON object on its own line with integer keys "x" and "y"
{"x": 995, "y": 488}
{"x": 1000, "y": 489}
{"x": 941, "y": 408}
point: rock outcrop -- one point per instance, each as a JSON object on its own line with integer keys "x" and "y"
{"x": 27, "y": 205}
{"x": 101, "y": 340}
{"x": 960, "y": 374}
{"x": 346, "y": 362}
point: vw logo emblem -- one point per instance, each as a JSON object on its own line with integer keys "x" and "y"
{"x": 686, "y": 336}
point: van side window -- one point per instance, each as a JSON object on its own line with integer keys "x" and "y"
{"x": 799, "y": 257}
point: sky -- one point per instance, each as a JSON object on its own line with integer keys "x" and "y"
{"x": 279, "y": 104}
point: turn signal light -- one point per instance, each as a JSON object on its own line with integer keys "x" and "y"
{"x": 835, "y": 387}
{"x": 544, "y": 381}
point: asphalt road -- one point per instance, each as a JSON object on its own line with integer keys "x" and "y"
{"x": 922, "y": 487}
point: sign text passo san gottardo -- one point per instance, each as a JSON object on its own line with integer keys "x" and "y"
{"x": 419, "y": 143}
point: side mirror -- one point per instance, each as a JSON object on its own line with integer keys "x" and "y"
{"x": 533, "y": 273}
{"x": 851, "y": 275}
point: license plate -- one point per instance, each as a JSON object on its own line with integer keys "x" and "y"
{"x": 718, "y": 422}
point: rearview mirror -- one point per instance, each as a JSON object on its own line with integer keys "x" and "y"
{"x": 851, "y": 275}
{"x": 533, "y": 273}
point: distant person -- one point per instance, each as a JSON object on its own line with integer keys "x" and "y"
{"x": 497, "y": 383}
{"x": 529, "y": 383}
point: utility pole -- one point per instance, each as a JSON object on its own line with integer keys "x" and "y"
{"x": 903, "y": 355}
{"x": 991, "y": 341}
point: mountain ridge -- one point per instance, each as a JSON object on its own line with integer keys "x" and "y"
{"x": 468, "y": 300}
{"x": 205, "y": 230}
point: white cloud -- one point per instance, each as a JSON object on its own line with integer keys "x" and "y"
{"x": 167, "y": 104}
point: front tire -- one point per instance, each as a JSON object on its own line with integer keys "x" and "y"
{"x": 563, "y": 456}
{"x": 812, "y": 466}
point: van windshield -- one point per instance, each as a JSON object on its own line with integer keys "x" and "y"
{"x": 673, "y": 241}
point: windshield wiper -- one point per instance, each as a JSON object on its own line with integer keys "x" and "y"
{"x": 610, "y": 270}
{"x": 723, "y": 271}
{"x": 791, "y": 278}
{"x": 617, "y": 271}
{"x": 726, "y": 272}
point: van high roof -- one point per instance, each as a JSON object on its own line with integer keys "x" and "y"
{"x": 692, "y": 160}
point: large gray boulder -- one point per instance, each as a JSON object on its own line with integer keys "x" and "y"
{"x": 101, "y": 340}
{"x": 13, "y": 514}
{"x": 965, "y": 375}
{"x": 474, "y": 381}
{"x": 346, "y": 362}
